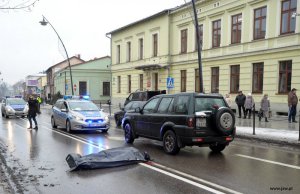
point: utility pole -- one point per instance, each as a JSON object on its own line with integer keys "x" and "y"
{"x": 199, "y": 48}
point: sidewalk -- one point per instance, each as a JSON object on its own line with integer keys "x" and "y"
{"x": 278, "y": 130}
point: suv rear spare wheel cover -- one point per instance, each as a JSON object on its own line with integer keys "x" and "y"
{"x": 225, "y": 120}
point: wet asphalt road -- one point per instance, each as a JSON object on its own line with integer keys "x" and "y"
{"x": 36, "y": 161}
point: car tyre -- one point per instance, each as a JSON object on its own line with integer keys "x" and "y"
{"x": 104, "y": 130}
{"x": 68, "y": 126}
{"x": 118, "y": 121}
{"x": 225, "y": 120}
{"x": 53, "y": 123}
{"x": 128, "y": 133}
{"x": 217, "y": 147}
{"x": 170, "y": 143}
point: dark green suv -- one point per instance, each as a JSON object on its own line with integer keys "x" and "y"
{"x": 183, "y": 119}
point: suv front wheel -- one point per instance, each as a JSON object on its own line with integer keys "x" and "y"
{"x": 128, "y": 133}
{"x": 170, "y": 143}
{"x": 217, "y": 147}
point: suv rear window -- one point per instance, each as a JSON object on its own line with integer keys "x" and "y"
{"x": 207, "y": 104}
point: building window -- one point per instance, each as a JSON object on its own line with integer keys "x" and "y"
{"x": 234, "y": 78}
{"x": 287, "y": 22}
{"x": 141, "y": 82}
{"x": 141, "y": 48}
{"x": 200, "y": 37}
{"x": 236, "y": 29}
{"x": 155, "y": 45}
{"x": 216, "y": 41}
{"x": 119, "y": 84}
{"x": 197, "y": 81}
{"x": 260, "y": 16}
{"x": 215, "y": 79}
{"x": 128, "y": 51}
{"x": 285, "y": 76}
{"x": 183, "y": 80}
{"x": 183, "y": 41}
{"x": 155, "y": 81}
{"x": 258, "y": 77}
{"x": 129, "y": 83}
{"x": 106, "y": 88}
{"x": 82, "y": 88}
{"x": 118, "y": 54}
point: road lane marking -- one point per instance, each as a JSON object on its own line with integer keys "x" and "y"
{"x": 167, "y": 169}
{"x": 269, "y": 161}
{"x": 181, "y": 178}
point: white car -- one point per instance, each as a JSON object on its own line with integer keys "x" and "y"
{"x": 74, "y": 113}
{"x": 11, "y": 106}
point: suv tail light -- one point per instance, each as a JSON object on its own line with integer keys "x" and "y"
{"x": 190, "y": 122}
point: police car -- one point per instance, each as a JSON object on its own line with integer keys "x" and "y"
{"x": 14, "y": 106}
{"x": 78, "y": 113}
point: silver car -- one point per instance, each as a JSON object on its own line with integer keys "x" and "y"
{"x": 14, "y": 107}
{"x": 79, "y": 114}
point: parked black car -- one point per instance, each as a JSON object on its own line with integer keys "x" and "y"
{"x": 130, "y": 106}
{"x": 142, "y": 95}
{"x": 184, "y": 119}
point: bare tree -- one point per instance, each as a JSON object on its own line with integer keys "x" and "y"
{"x": 17, "y": 4}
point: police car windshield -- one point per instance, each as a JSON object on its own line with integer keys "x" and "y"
{"x": 15, "y": 101}
{"x": 83, "y": 106}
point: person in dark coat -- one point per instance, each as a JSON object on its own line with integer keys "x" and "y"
{"x": 33, "y": 109}
{"x": 240, "y": 101}
{"x": 292, "y": 103}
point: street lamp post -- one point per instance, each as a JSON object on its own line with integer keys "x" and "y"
{"x": 199, "y": 47}
{"x": 44, "y": 23}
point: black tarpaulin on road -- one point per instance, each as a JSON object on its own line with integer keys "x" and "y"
{"x": 107, "y": 158}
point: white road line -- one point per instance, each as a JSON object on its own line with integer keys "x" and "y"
{"x": 196, "y": 178}
{"x": 269, "y": 161}
{"x": 182, "y": 179}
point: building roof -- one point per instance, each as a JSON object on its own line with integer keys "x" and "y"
{"x": 64, "y": 62}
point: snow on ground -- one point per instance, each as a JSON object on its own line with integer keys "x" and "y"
{"x": 268, "y": 133}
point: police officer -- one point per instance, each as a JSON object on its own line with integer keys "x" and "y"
{"x": 39, "y": 100}
{"x": 33, "y": 109}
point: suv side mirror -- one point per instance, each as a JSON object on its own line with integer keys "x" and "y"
{"x": 138, "y": 109}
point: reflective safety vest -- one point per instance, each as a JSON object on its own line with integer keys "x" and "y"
{"x": 39, "y": 100}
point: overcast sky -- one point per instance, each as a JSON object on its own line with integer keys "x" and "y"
{"x": 27, "y": 48}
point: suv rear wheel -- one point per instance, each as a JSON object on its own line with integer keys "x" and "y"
{"x": 128, "y": 133}
{"x": 170, "y": 143}
{"x": 217, "y": 147}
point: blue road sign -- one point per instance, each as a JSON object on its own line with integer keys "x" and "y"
{"x": 66, "y": 86}
{"x": 170, "y": 82}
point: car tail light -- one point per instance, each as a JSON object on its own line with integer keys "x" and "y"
{"x": 228, "y": 138}
{"x": 191, "y": 122}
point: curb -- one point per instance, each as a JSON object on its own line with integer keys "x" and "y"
{"x": 292, "y": 144}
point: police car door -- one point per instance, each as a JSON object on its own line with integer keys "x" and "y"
{"x": 63, "y": 114}
{"x": 56, "y": 112}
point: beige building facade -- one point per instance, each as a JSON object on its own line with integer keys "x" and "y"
{"x": 248, "y": 45}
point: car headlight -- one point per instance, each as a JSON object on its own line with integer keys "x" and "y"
{"x": 9, "y": 109}
{"x": 26, "y": 109}
{"x": 77, "y": 118}
{"x": 106, "y": 118}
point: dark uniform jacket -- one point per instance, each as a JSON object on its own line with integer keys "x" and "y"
{"x": 33, "y": 107}
{"x": 240, "y": 100}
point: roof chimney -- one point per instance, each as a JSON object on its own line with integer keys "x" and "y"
{"x": 78, "y": 56}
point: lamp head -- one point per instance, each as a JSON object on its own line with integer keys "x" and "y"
{"x": 44, "y": 22}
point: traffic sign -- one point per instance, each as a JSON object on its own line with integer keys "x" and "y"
{"x": 170, "y": 82}
{"x": 66, "y": 86}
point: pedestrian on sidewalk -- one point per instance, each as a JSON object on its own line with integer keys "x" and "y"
{"x": 249, "y": 103}
{"x": 240, "y": 101}
{"x": 292, "y": 103}
{"x": 33, "y": 108}
{"x": 228, "y": 100}
{"x": 265, "y": 107}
